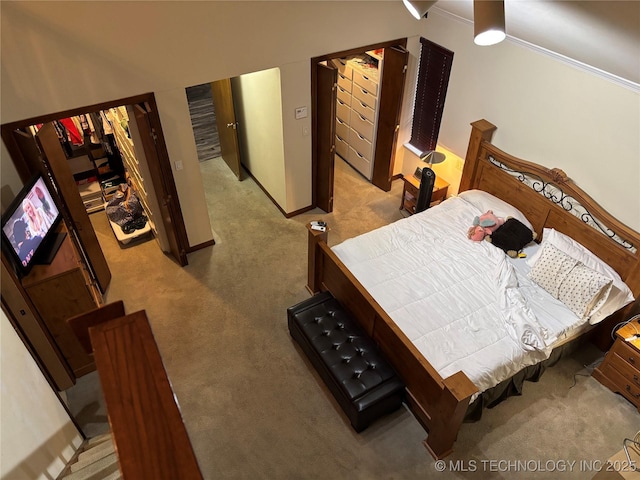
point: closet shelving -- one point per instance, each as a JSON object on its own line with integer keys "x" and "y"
{"x": 123, "y": 139}
{"x": 357, "y": 109}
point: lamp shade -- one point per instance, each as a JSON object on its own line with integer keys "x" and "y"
{"x": 432, "y": 157}
{"x": 488, "y": 22}
{"x": 417, "y": 9}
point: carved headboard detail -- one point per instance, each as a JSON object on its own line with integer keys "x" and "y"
{"x": 550, "y": 199}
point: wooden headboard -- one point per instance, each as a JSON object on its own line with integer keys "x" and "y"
{"x": 550, "y": 199}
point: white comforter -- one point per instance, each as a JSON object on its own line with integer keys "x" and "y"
{"x": 457, "y": 300}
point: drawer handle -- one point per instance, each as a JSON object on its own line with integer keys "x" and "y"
{"x": 364, "y": 118}
{"x": 365, "y": 77}
{"x": 360, "y": 136}
{"x": 362, "y": 156}
{"x": 632, "y": 360}
{"x": 635, "y": 378}
{"x": 634, "y": 395}
{"x": 363, "y": 105}
{"x": 364, "y": 91}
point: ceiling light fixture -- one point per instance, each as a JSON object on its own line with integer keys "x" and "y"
{"x": 488, "y": 22}
{"x": 418, "y": 9}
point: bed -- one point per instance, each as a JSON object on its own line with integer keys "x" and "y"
{"x": 402, "y": 287}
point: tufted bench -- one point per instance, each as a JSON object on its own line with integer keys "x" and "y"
{"x": 361, "y": 380}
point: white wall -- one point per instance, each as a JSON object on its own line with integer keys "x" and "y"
{"x": 258, "y": 107}
{"x": 296, "y": 92}
{"x": 37, "y": 436}
{"x": 547, "y": 111}
{"x": 60, "y": 55}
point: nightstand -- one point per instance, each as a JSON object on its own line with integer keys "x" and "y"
{"x": 620, "y": 369}
{"x": 410, "y": 192}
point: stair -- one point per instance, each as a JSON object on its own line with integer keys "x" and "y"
{"x": 95, "y": 460}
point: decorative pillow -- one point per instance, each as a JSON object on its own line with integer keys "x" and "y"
{"x": 620, "y": 295}
{"x": 580, "y": 288}
{"x": 484, "y": 201}
{"x": 511, "y": 236}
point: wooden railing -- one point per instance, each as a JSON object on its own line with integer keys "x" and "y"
{"x": 149, "y": 435}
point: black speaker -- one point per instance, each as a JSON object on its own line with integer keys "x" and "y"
{"x": 426, "y": 189}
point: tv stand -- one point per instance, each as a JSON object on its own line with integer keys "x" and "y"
{"x": 60, "y": 290}
{"x": 51, "y": 249}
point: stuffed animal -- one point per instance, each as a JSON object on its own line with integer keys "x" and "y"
{"x": 512, "y": 237}
{"x": 484, "y": 225}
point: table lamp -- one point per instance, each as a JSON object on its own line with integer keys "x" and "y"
{"x": 430, "y": 157}
{"x": 427, "y": 178}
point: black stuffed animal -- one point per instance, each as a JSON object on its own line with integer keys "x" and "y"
{"x": 511, "y": 237}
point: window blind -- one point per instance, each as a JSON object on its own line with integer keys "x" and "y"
{"x": 431, "y": 90}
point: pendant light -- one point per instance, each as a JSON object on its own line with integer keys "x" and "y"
{"x": 488, "y": 22}
{"x": 418, "y": 9}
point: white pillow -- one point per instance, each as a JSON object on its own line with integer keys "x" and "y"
{"x": 620, "y": 294}
{"x": 484, "y": 201}
{"x": 580, "y": 288}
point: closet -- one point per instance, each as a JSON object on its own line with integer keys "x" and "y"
{"x": 356, "y": 103}
{"x": 357, "y": 109}
{"x": 102, "y": 159}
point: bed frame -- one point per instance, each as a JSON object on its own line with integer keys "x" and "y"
{"x": 548, "y": 198}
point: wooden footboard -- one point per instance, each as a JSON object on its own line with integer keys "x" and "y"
{"x": 438, "y": 404}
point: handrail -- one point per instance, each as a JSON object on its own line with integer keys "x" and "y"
{"x": 148, "y": 432}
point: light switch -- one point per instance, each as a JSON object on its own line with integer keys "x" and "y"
{"x": 179, "y": 165}
{"x": 301, "y": 112}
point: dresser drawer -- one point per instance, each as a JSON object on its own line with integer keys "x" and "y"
{"x": 343, "y": 111}
{"x": 342, "y": 147}
{"x": 360, "y": 144}
{"x": 622, "y": 385}
{"x": 364, "y": 95}
{"x": 626, "y": 352}
{"x": 364, "y": 110}
{"x": 625, "y": 369}
{"x": 343, "y": 67}
{"x": 360, "y": 163}
{"x": 367, "y": 82}
{"x": 344, "y": 82}
{"x": 344, "y": 96}
{"x": 342, "y": 129}
{"x": 361, "y": 125}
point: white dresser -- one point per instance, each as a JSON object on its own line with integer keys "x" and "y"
{"x": 357, "y": 110}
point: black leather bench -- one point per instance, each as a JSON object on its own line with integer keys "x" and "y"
{"x": 349, "y": 362}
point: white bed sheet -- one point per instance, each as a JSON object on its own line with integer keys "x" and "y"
{"x": 465, "y": 305}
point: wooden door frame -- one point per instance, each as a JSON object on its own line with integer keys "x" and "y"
{"x": 314, "y": 99}
{"x": 163, "y": 165}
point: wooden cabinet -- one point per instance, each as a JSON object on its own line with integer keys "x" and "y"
{"x": 59, "y": 291}
{"x": 620, "y": 369}
{"x": 412, "y": 187}
{"x": 357, "y": 110}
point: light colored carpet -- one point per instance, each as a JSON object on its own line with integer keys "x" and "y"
{"x": 253, "y": 405}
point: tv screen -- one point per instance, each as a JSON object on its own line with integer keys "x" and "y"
{"x": 29, "y": 225}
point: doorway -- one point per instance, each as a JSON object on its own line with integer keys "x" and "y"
{"x": 245, "y": 113}
{"x": 29, "y": 158}
{"x": 382, "y": 131}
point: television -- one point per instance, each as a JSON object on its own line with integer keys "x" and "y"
{"x": 30, "y": 227}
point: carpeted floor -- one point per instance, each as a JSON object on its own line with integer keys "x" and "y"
{"x": 253, "y": 405}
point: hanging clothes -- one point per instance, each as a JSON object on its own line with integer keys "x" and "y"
{"x": 74, "y": 135}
